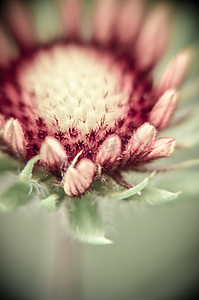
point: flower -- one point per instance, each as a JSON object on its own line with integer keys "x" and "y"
{"x": 88, "y": 105}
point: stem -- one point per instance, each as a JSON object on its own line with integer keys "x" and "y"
{"x": 64, "y": 264}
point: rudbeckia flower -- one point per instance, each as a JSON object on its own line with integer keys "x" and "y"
{"x": 84, "y": 106}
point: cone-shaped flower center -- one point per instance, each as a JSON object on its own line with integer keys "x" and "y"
{"x": 76, "y": 86}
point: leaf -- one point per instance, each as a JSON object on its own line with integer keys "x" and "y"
{"x": 132, "y": 191}
{"x": 50, "y": 203}
{"x": 26, "y": 173}
{"x": 14, "y": 196}
{"x": 85, "y": 220}
{"x": 154, "y": 196}
{"x": 15, "y": 192}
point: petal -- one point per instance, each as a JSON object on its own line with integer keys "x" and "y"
{"x": 109, "y": 151}
{"x": 153, "y": 38}
{"x": 104, "y": 20}
{"x": 163, "y": 147}
{"x": 164, "y": 109}
{"x": 13, "y": 135}
{"x": 70, "y": 11}
{"x": 21, "y": 24}
{"x": 52, "y": 153}
{"x": 78, "y": 179}
{"x": 141, "y": 141}
{"x": 129, "y": 20}
{"x": 2, "y": 121}
{"x": 175, "y": 73}
{"x": 6, "y": 52}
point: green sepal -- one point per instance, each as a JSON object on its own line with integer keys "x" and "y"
{"x": 20, "y": 189}
{"x": 154, "y": 196}
{"x": 17, "y": 194}
{"x": 51, "y": 203}
{"x": 85, "y": 221}
{"x": 132, "y": 191}
{"x": 26, "y": 173}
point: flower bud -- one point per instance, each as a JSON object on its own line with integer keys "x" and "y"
{"x": 142, "y": 139}
{"x": 175, "y": 72}
{"x": 52, "y": 153}
{"x": 164, "y": 109}
{"x": 163, "y": 147}
{"x": 109, "y": 151}
{"x": 78, "y": 179}
{"x": 13, "y": 135}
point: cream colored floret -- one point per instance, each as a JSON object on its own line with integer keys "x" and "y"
{"x": 75, "y": 86}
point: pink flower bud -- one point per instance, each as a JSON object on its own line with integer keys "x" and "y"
{"x": 109, "y": 151}
{"x": 175, "y": 72}
{"x": 78, "y": 179}
{"x": 13, "y": 135}
{"x": 164, "y": 109}
{"x": 141, "y": 141}
{"x": 52, "y": 153}
{"x": 163, "y": 147}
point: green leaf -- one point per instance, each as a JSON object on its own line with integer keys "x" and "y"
{"x": 15, "y": 195}
{"x": 26, "y": 173}
{"x": 132, "y": 191}
{"x": 15, "y": 192}
{"x": 154, "y": 196}
{"x": 50, "y": 203}
{"x": 85, "y": 221}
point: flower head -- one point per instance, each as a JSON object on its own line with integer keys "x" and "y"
{"x": 88, "y": 105}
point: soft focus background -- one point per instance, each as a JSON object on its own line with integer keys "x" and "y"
{"x": 155, "y": 255}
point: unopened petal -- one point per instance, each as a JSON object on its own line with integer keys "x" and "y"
{"x": 109, "y": 151}
{"x": 164, "y": 109}
{"x": 153, "y": 38}
{"x": 2, "y": 121}
{"x": 21, "y": 24}
{"x": 13, "y": 135}
{"x": 104, "y": 20}
{"x": 129, "y": 20}
{"x": 163, "y": 147}
{"x": 70, "y": 11}
{"x": 52, "y": 153}
{"x": 142, "y": 139}
{"x": 175, "y": 72}
{"x": 78, "y": 179}
{"x": 6, "y": 51}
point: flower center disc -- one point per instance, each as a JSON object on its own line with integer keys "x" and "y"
{"x": 76, "y": 86}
